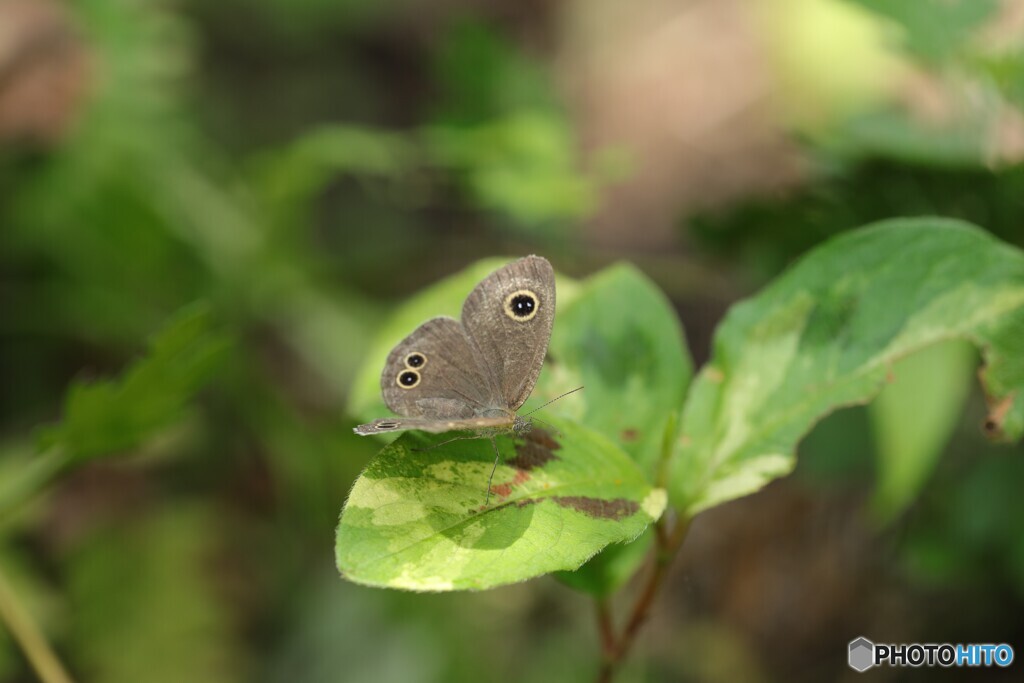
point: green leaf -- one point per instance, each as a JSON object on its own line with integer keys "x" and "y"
{"x": 116, "y": 415}
{"x": 442, "y": 298}
{"x": 825, "y": 335}
{"x": 416, "y": 519}
{"x": 616, "y": 564}
{"x": 611, "y": 568}
{"x": 621, "y": 340}
{"x": 913, "y": 419}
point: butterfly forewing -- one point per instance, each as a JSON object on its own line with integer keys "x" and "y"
{"x": 508, "y": 319}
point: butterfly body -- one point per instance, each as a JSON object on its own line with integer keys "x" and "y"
{"x": 473, "y": 374}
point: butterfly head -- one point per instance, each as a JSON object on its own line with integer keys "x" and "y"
{"x": 522, "y": 426}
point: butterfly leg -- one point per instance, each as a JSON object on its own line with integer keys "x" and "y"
{"x": 447, "y": 441}
{"x": 497, "y": 456}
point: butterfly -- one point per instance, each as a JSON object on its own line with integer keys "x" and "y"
{"x": 474, "y": 373}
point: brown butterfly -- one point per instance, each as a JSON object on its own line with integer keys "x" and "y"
{"x": 474, "y": 374}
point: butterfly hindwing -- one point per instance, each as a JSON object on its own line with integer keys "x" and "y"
{"x": 385, "y": 425}
{"x": 436, "y": 362}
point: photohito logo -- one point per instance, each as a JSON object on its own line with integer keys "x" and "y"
{"x": 863, "y": 654}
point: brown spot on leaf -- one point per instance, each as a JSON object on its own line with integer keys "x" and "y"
{"x": 629, "y": 435}
{"x": 536, "y": 450}
{"x": 503, "y": 490}
{"x": 616, "y": 508}
{"x": 542, "y": 437}
{"x": 530, "y": 456}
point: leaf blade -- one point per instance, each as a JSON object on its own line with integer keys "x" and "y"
{"x": 415, "y": 519}
{"x": 621, "y": 340}
{"x": 824, "y": 335}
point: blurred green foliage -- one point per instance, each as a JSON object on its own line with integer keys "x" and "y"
{"x": 932, "y": 29}
{"x": 914, "y": 418}
{"x": 264, "y": 181}
{"x": 109, "y": 417}
{"x": 766, "y": 234}
{"x": 156, "y": 617}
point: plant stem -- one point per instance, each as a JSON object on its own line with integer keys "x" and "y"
{"x": 613, "y": 649}
{"x": 31, "y": 640}
{"x": 605, "y": 627}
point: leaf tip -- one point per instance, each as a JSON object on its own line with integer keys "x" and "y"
{"x": 654, "y": 503}
{"x": 993, "y": 424}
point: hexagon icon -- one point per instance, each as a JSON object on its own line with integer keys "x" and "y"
{"x": 862, "y": 654}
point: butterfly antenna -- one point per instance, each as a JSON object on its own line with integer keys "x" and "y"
{"x": 572, "y": 391}
{"x": 557, "y": 431}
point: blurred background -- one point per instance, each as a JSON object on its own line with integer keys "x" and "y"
{"x": 277, "y": 175}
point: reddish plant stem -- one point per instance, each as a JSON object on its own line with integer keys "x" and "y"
{"x": 614, "y": 649}
{"x": 605, "y": 627}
